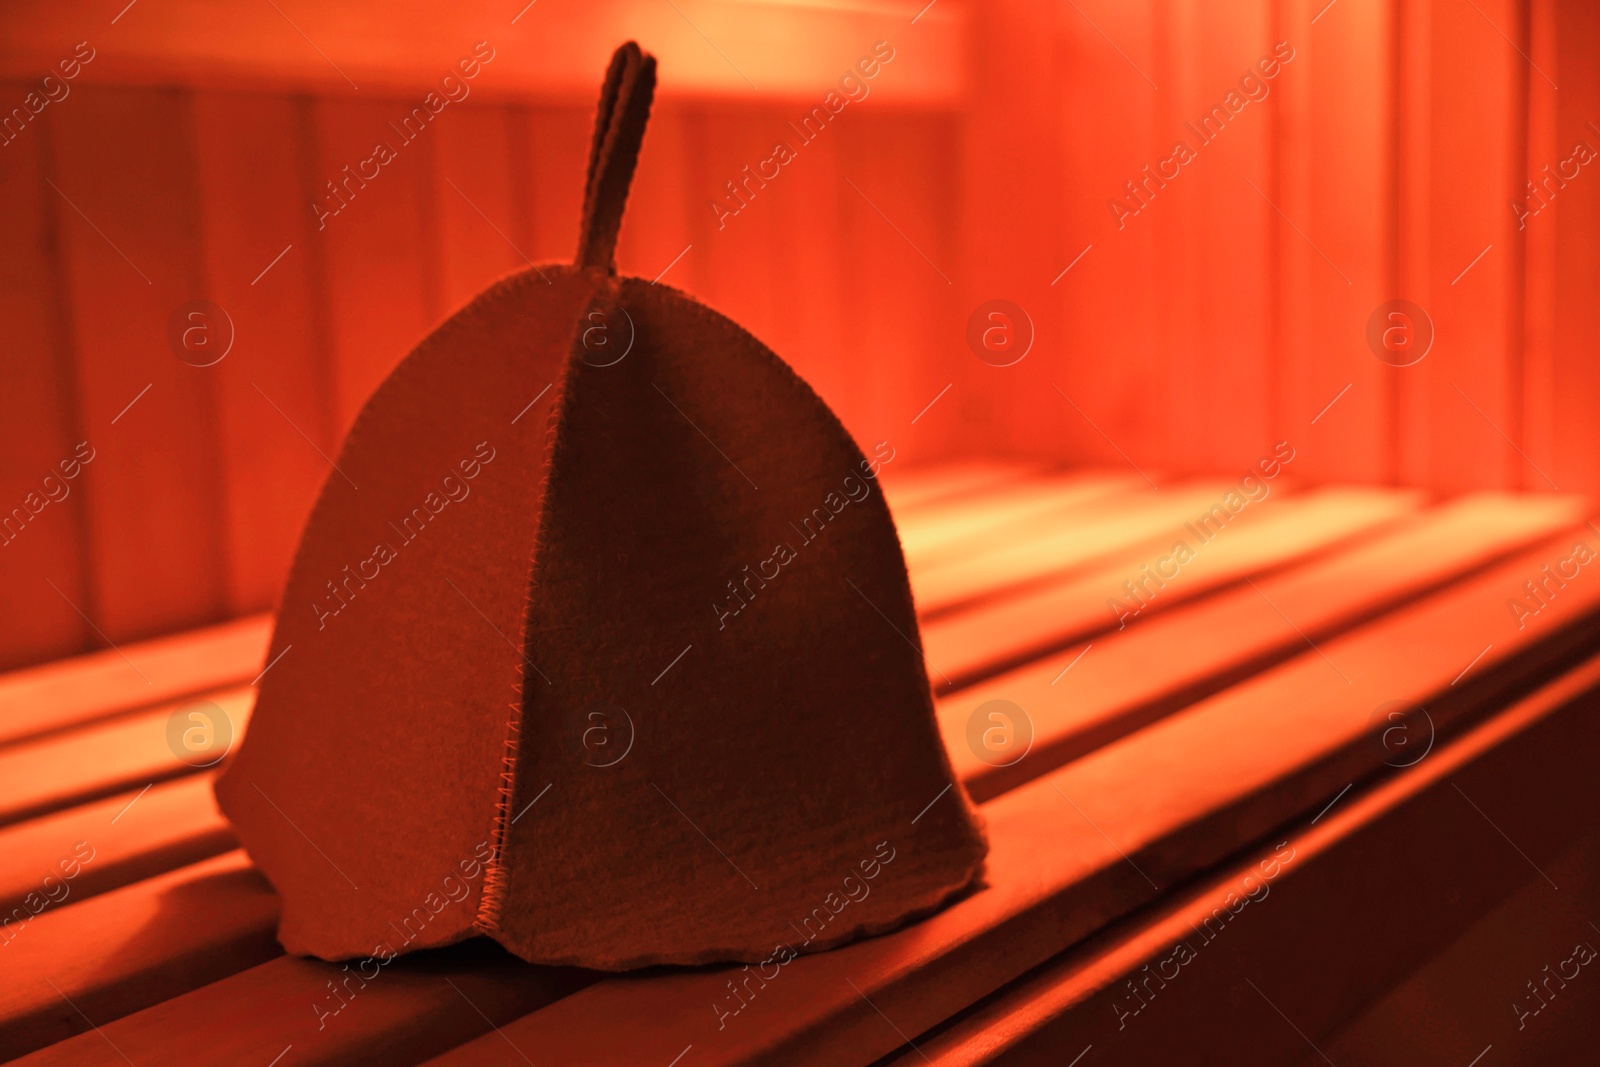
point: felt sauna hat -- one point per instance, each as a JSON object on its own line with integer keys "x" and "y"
{"x": 598, "y": 642}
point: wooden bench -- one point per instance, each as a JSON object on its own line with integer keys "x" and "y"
{"x": 1229, "y": 743}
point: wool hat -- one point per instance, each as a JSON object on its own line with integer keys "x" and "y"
{"x": 598, "y": 642}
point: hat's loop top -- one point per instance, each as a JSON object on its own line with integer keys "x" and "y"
{"x": 618, "y": 130}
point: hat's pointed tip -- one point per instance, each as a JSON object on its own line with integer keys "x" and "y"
{"x": 630, "y": 51}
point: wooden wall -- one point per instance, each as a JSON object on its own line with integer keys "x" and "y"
{"x": 1231, "y": 309}
{"x": 133, "y": 200}
{"x": 1221, "y": 318}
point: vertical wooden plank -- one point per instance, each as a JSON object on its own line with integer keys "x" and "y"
{"x": 1227, "y": 223}
{"x": 38, "y": 419}
{"x": 1515, "y": 284}
{"x": 131, "y": 245}
{"x": 1015, "y": 194}
{"x": 1544, "y": 146}
{"x": 1292, "y": 121}
{"x": 559, "y": 144}
{"x": 902, "y": 283}
{"x": 476, "y": 196}
{"x": 1406, "y": 202}
{"x": 821, "y": 270}
{"x": 1456, "y": 408}
{"x": 1115, "y": 361}
{"x": 702, "y": 185}
{"x": 257, "y": 237}
{"x": 383, "y": 289}
{"x": 940, "y": 338}
{"x": 1574, "y": 407}
{"x": 736, "y": 270}
{"x": 519, "y": 160}
{"x": 1338, "y": 86}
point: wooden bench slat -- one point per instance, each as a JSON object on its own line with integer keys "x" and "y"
{"x": 416, "y": 1007}
{"x": 967, "y": 646}
{"x": 60, "y": 696}
{"x": 66, "y": 768}
{"x": 956, "y": 741}
{"x": 53, "y": 696}
{"x": 98, "y": 760}
{"x": 198, "y": 830}
{"x": 1175, "y": 797}
{"x": 124, "y": 950}
{"x": 131, "y": 836}
{"x": 941, "y": 532}
{"x": 1172, "y": 799}
{"x": 1047, "y": 546}
{"x": 40, "y": 700}
{"x": 908, "y": 489}
{"x": 1404, "y": 836}
{"x": 1132, "y": 677}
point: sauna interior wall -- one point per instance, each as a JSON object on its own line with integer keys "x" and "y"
{"x": 1388, "y": 157}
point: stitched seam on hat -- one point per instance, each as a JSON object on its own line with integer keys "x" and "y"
{"x": 491, "y": 905}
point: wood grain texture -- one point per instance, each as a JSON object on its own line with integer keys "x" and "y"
{"x": 140, "y": 944}
{"x": 1437, "y": 877}
{"x": 1227, "y": 314}
{"x": 257, "y": 235}
{"x": 1150, "y": 810}
{"x": 42, "y": 517}
{"x": 1095, "y": 599}
{"x": 132, "y": 254}
{"x": 1138, "y": 675}
{"x": 133, "y": 836}
{"x": 57, "y": 696}
{"x": 129, "y": 752}
{"x": 1414, "y": 645}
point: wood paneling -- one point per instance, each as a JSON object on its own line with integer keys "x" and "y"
{"x": 1224, "y": 316}
{"x": 41, "y": 511}
{"x": 131, "y": 255}
{"x": 257, "y": 237}
{"x": 1567, "y": 300}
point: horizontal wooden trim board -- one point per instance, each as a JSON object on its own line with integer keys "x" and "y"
{"x": 406, "y": 46}
{"x": 1237, "y": 702}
